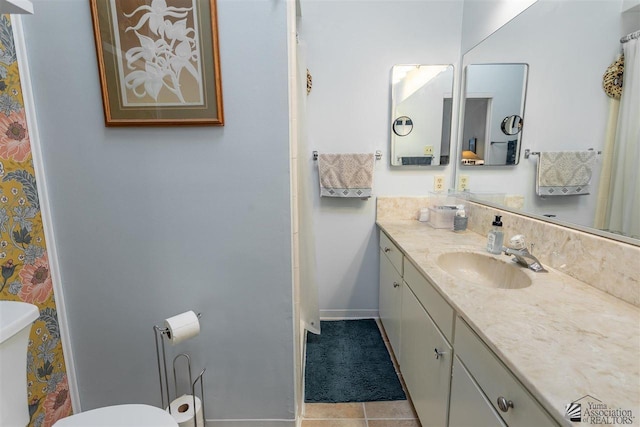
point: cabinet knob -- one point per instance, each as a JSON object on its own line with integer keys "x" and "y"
{"x": 387, "y": 250}
{"x": 438, "y": 353}
{"x": 504, "y": 404}
{"x": 396, "y": 284}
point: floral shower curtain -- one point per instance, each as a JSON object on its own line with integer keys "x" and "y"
{"x": 624, "y": 191}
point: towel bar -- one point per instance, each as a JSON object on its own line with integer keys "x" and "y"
{"x": 378, "y": 155}
{"x": 528, "y": 153}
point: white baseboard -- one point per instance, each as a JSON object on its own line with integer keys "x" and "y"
{"x": 250, "y": 423}
{"x": 348, "y": 314}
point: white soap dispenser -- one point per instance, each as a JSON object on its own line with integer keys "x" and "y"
{"x": 495, "y": 237}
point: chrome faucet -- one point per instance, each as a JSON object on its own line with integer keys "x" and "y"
{"x": 522, "y": 255}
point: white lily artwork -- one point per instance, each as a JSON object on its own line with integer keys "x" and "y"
{"x": 155, "y": 51}
{"x": 157, "y": 62}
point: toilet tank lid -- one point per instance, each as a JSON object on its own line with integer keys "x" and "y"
{"x": 14, "y": 316}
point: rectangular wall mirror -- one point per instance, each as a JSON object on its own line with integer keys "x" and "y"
{"x": 494, "y": 98}
{"x": 421, "y": 108}
{"x": 565, "y": 85}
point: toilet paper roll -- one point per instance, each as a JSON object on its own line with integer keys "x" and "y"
{"x": 182, "y": 327}
{"x": 183, "y": 411}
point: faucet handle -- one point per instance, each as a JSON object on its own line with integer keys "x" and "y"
{"x": 518, "y": 242}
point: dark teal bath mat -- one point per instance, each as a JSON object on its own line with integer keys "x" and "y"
{"x": 349, "y": 362}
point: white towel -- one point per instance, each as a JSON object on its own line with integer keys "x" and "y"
{"x": 564, "y": 173}
{"x": 346, "y": 175}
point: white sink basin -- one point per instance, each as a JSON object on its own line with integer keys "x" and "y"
{"x": 484, "y": 270}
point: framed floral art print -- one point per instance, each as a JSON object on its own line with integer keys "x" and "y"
{"x": 159, "y": 62}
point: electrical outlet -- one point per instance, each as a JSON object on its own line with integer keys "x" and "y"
{"x": 428, "y": 150}
{"x": 438, "y": 183}
{"x": 463, "y": 182}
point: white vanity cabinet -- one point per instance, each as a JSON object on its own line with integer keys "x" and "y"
{"x": 390, "y": 299}
{"x": 426, "y": 362}
{"x": 454, "y": 379}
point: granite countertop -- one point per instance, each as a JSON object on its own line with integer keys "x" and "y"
{"x": 562, "y": 338}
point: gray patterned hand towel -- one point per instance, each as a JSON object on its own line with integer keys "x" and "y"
{"x": 346, "y": 175}
{"x": 564, "y": 173}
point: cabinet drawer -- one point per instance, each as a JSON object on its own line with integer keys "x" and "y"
{"x": 497, "y": 381}
{"x": 391, "y": 251}
{"x": 439, "y": 310}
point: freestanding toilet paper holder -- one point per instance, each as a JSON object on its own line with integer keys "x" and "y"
{"x": 160, "y": 333}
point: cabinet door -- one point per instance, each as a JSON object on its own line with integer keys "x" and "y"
{"x": 390, "y": 302}
{"x": 425, "y": 361}
{"x": 469, "y": 406}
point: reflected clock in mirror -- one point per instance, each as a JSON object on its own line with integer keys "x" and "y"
{"x": 421, "y": 108}
{"x": 494, "y": 99}
{"x": 511, "y": 125}
{"x": 402, "y": 126}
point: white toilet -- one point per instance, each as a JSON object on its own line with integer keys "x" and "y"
{"x": 15, "y": 325}
{"x": 120, "y": 416}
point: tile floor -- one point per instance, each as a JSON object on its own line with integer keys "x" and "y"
{"x": 397, "y": 413}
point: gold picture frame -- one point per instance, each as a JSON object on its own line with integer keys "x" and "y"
{"x": 159, "y": 65}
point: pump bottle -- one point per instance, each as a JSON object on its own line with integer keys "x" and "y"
{"x": 495, "y": 237}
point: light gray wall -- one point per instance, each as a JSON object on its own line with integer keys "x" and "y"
{"x": 151, "y": 222}
{"x": 351, "y": 47}
{"x": 482, "y": 17}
